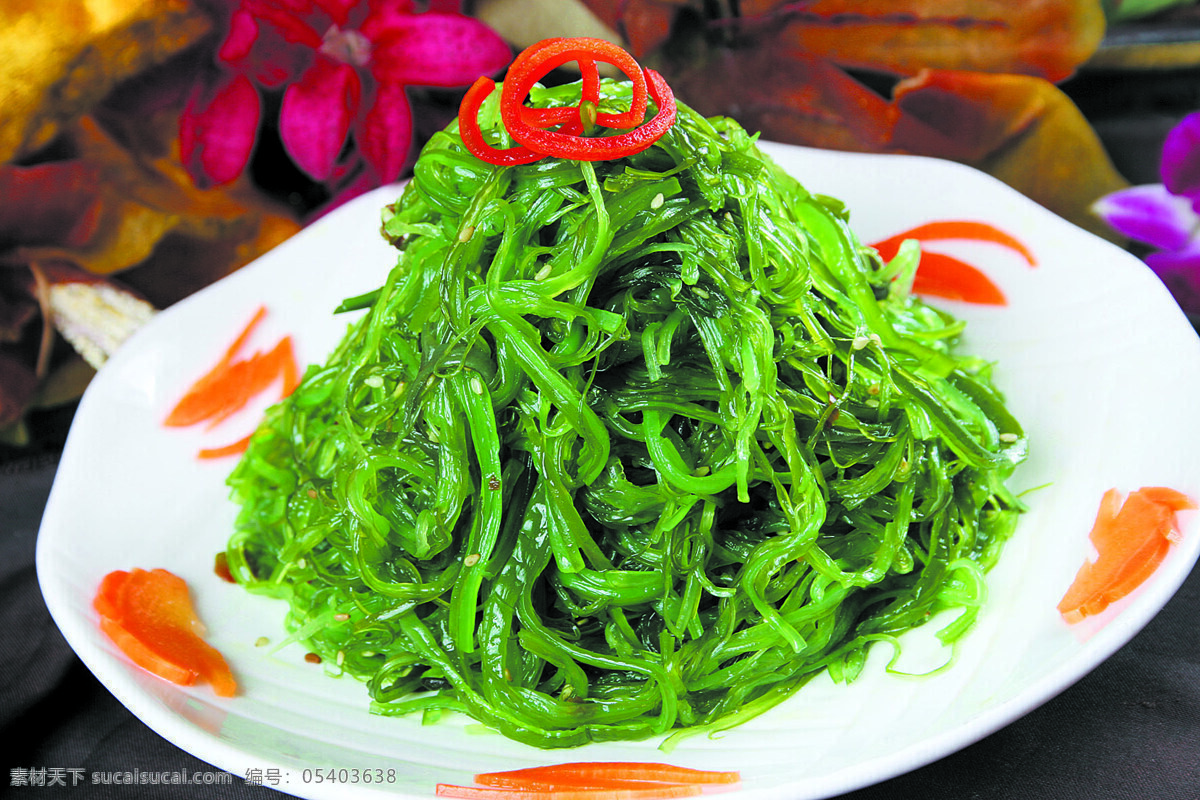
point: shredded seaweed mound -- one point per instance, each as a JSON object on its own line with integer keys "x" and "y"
{"x": 625, "y": 448}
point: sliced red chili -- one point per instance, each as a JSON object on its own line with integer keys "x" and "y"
{"x": 540, "y": 60}
{"x": 565, "y": 115}
{"x": 603, "y": 148}
{"x": 557, "y": 131}
{"x": 472, "y": 134}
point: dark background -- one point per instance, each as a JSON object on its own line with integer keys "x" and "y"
{"x": 1130, "y": 729}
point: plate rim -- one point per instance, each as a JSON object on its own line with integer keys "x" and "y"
{"x": 1120, "y": 630}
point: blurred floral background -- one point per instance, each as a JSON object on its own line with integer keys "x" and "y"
{"x": 150, "y": 147}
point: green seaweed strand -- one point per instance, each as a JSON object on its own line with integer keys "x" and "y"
{"x": 625, "y": 449}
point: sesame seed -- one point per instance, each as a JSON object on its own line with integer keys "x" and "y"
{"x": 657, "y": 201}
{"x": 471, "y": 560}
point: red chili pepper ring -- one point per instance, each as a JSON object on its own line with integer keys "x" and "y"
{"x": 557, "y": 132}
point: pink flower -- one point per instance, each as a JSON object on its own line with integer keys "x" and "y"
{"x": 1165, "y": 217}
{"x": 343, "y": 65}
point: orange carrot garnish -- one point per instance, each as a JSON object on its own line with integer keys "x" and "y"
{"x": 232, "y": 383}
{"x": 148, "y": 614}
{"x": 941, "y": 275}
{"x": 968, "y": 230}
{"x": 591, "y": 780}
{"x": 198, "y": 403}
{"x": 643, "y": 792}
{"x": 945, "y": 276}
{"x": 231, "y": 449}
{"x": 1131, "y": 540}
{"x": 614, "y": 770}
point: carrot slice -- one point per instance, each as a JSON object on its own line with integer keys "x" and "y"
{"x": 969, "y": 230}
{"x": 1176, "y": 501}
{"x": 148, "y": 614}
{"x": 230, "y": 384}
{"x": 107, "y": 600}
{"x": 645, "y": 792}
{"x": 941, "y": 275}
{"x": 945, "y": 276}
{"x": 231, "y": 449}
{"x": 573, "y": 784}
{"x": 233, "y": 382}
{"x": 591, "y": 780}
{"x": 251, "y": 377}
{"x": 614, "y": 770}
{"x": 144, "y": 656}
{"x": 196, "y": 405}
{"x": 1131, "y": 540}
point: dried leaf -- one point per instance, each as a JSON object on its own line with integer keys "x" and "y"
{"x": 787, "y": 96}
{"x": 644, "y": 24}
{"x": 122, "y": 205}
{"x": 1020, "y": 129}
{"x": 137, "y": 204}
{"x": 979, "y": 88}
{"x": 52, "y": 203}
{"x": 1046, "y": 38}
{"x": 58, "y": 58}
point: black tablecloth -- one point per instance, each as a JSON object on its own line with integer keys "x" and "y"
{"x": 1131, "y": 729}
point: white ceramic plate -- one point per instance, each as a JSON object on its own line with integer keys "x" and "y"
{"x": 1093, "y": 355}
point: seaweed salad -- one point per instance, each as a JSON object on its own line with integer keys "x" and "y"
{"x": 626, "y": 445}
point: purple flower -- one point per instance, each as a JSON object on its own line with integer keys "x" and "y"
{"x": 1166, "y": 216}
{"x": 343, "y": 66}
